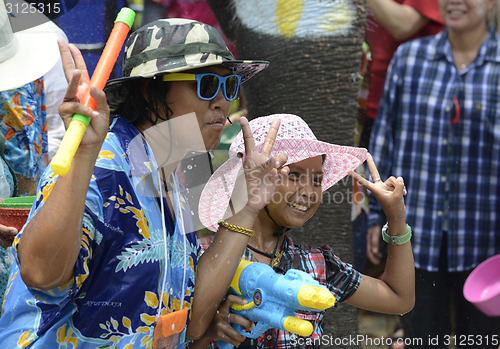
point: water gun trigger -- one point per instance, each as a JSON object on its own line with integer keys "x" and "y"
{"x": 240, "y": 307}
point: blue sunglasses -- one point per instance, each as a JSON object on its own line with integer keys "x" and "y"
{"x": 208, "y": 84}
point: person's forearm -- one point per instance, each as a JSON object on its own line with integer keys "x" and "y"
{"x": 50, "y": 243}
{"x": 401, "y": 21}
{"x": 399, "y": 273}
{"x": 216, "y": 269}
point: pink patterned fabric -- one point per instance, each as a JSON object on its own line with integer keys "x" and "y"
{"x": 294, "y": 138}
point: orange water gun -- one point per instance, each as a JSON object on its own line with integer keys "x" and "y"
{"x": 61, "y": 163}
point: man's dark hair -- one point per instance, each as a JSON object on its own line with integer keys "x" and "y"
{"x": 128, "y": 100}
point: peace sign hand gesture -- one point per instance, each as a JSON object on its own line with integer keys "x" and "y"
{"x": 78, "y": 82}
{"x": 389, "y": 193}
{"x": 262, "y": 171}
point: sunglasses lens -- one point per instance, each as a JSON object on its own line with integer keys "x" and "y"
{"x": 232, "y": 84}
{"x": 209, "y": 84}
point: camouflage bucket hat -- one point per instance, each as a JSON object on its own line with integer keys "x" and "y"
{"x": 174, "y": 45}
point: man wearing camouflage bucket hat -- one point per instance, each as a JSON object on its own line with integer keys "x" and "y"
{"x": 159, "y": 51}
{"x": 107, "y": 258}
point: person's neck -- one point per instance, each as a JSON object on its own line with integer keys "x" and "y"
{"x": 466, "y": 45}
{"x": 265, "y": 237}
{"x": 174, "y": 152}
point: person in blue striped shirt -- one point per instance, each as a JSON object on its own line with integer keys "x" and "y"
{"x": 438, "y": 127}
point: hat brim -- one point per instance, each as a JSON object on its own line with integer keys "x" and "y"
{"x": 216, "y": 195}
{"x": 245, "y": 68}
{"x": 37, "y": 53}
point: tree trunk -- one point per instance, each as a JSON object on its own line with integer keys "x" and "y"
{"x": 314, "y": 76}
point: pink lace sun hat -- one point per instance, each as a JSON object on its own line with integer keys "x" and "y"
{"x": 294, "y": 138}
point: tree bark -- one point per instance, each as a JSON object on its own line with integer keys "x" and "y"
{"x": 316, "y": 78}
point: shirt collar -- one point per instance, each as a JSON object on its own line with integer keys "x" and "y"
{"x": 440, "y": 47}
{"x": 137, "y": 153}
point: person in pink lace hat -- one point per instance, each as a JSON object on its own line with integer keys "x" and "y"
{"x": 312, "y": 167}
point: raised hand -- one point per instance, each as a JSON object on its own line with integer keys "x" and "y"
{"x": 72, "y": 60}
{"x": 78, "y": 81}
{"x": 394, "y": 291}
{"x": 51, "y": 240}
{"x": 261, "y": 177}
{"x": 262, "y": 171}
{"x": 389, "y": 193}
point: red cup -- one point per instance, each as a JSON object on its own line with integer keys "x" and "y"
{"x": 14, "y": 211}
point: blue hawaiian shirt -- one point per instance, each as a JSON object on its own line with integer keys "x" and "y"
{"x": 23, "y": 122}
{"x": 121, "y": 277}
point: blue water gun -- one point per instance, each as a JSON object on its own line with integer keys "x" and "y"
{"x": 273, "y": 298}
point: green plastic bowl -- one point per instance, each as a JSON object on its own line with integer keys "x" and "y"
{"x": 18, "y": 202}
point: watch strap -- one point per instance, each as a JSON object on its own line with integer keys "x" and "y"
{"x": 396, "y": 239}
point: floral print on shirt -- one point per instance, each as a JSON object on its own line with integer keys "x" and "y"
{"x": 118, "y": 285}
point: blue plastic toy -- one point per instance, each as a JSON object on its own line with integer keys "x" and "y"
{"x": 273, "y": 299}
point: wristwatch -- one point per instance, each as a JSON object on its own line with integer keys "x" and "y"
{"x": 396, "y": 239}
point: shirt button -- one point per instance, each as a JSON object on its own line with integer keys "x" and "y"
{"x": 443, "y": 178}
{"x": 269, "y": 337}
{"x": 448, "y": 109}
{"x": 445, "y": 141}
{"x": 440, "y": 213}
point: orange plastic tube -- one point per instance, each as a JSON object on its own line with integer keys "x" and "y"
{"x": 61, "y": 163}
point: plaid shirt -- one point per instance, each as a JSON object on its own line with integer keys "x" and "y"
{"x": 324, "y": 266}
{"x": 440, "y": 130}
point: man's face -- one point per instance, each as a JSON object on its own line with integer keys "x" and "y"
{"x": 183, "y": 99}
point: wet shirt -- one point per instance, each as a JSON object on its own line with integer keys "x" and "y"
{"x": 23, "y": 122}
{"x": 121, "y": 279}
{"x": 325, "y": 267}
